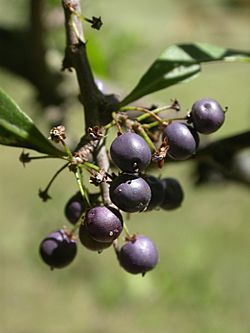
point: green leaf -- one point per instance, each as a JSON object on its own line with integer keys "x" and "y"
{"x": 18, "y": 130}
{"x": 179, "y": 63}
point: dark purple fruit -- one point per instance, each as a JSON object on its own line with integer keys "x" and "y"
{"x": 75, "y": 208}
{"x": 182, "y": 140}
{"x": 138, "y": 255}
{"x": 207, "y": 115}
{"x": 90, "y": 243}
{"x": 104, "y": 223}
{"x": 130, "y": 152}
{"x": 130, "y": 193}
{"x": 58, "y": 249}
{"x": 157, "y": 191}
{"x": 173, "y": 194}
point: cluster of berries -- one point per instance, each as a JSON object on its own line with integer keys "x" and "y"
{"x": 132, "y": 191}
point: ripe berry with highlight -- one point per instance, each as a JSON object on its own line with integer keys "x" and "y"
{"x": 130, "y": 152}
{"x": 104, "y": 224}
{"x": 89, "y": 242}
{"x": 182, "y": 140}
{"x": 130, "y": 193}
{"x": 207, "y": 115}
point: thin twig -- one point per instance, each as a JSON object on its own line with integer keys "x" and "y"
{"x": 76, "y": 57}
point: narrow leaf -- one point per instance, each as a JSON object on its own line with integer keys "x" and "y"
{"x": 18, "y": 130}
{"x": 178, "y": 63}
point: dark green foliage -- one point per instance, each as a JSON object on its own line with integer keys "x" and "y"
{"x": 178, "y": 63}
{"x": 17, "y": 129}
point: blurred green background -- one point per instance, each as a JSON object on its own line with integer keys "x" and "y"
{"x": 202, "y": 282}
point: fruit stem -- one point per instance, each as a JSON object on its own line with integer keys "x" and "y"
{"x": 154, "y": 112}
{"x": 109, "y": 125}
{"x": 169, "y": 120}
{"x": 116, "y": 248}
{"x": 67, "y": 150}
{"x": 140, "y": 109}
{"x": 82, "y": 189}
{"x": 77, "y": 225}
{"x": 44, "y": 193}
{"x": 89, "y": 165}
{"x": 143, "y": 133}
{"x": 25, "y": 158}
{"x": 125, "y": 228}
{"x": 47, "y": 156}
{"x": 163, "y": 122}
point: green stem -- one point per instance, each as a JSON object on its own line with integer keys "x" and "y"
{"x": 81, "y": 17}
{"x": 116, "y": 247}
{"x": 46, "y": 156}
{"x": 54, "y": 177}
{"x": 173, "y": 119}
{"x": 91, "y": 166}
{"x": 83, "y": 191}
{"x": 145, "y": 136}
{"x": 125, "y": 228}
{"x": 155, "y": 111}
{"x": 75, "y": 29}
{"x": 77, "y": 225}
{"x": 140, "y": 109}
{"x": 67, "y": 150}
{"x": 25, "y": 158}
{"x": 109, "y": 125}
{"x": 151, "y": 125}
{"x": 166, "y": 121}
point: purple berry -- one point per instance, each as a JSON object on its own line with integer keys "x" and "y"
{"x": 104, "y": 224}
{"x": 182, "y": 140}
{"x": 130, "y": 193}
{"x": 130, "y": 152}
{"x": 157, "y": 191}
{"x": 75, "y": 208}
{"x": 138, "y": 255}
{"x": 90, "y": 243}
{"x": 207, "y": 115}
{"x": 173, "y": 194}
{"x": 58, "y": 249}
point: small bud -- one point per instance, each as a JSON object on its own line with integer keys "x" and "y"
{"x": 24, "y": 158}
{"x": 175, "y": 105}
{"x": 98, "y": 177}
{"x": 57, "y": 134}
{"x": 96, "y": 23}
{"x": 95, "y": 133}
{"x": 44, "y": 195}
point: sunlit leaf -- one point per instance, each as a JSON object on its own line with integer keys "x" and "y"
{"x": 179, "y": 63}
